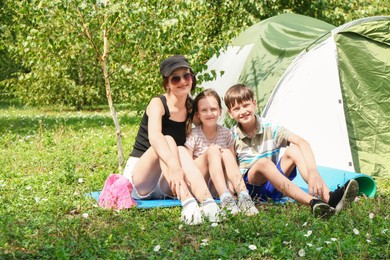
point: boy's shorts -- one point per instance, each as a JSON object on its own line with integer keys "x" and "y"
{"x": 267, "y": 190}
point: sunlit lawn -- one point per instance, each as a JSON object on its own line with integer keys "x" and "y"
{"x": 51, "y": 159}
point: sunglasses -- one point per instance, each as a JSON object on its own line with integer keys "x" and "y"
{"x": 177, "y": 79}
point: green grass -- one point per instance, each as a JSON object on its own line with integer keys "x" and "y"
{"x": 51, "y": 158}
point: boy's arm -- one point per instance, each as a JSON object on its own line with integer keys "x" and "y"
{"x": 315, "y": 182}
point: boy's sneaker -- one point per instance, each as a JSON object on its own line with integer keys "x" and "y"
{"x": 246, "y": 205}
{"x": 191, "y": 213}
{"x": 211, "y": 210}
{"x": 344, "y": 196}
{"x": 229, "y": 204}
{"x": 320, "y": 209}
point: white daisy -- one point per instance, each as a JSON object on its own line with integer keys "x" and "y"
{"x": 252, "y": 247}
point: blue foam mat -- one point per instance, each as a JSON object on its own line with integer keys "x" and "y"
{"x": 332, "y": 177}
{"x": 163, "y": 203}
{"x": 147, "y": 204}
{"x": 336, "y": 177}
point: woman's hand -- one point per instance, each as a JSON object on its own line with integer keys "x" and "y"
{"x": 177, "y": 183}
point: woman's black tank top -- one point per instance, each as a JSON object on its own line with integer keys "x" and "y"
{"x": 177, "y": 130}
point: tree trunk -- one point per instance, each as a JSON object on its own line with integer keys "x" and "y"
{"x": 110, "y": 103}
{"x": 103, "y": 60}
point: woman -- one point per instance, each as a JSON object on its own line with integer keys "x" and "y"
{"x": 155, "y": 164}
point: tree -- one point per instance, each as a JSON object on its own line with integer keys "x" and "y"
{"x": 50, "y": 61}
{"x": 102, "y": 55}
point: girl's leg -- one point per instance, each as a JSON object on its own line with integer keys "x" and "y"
{"x": 233, "y": 171}
{"x": 245, "y": 202}
{"x": 213, "y": 158}
{"x": 211, "y": 161}
{"x": 198, "y": 186}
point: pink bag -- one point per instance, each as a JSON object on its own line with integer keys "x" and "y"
{"x": 116, "y": 193}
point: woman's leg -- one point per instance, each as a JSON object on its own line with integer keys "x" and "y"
{"x": 150, "y": 171}
{"x": 146, "y": 172}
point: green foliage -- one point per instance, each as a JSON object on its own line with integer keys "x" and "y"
{"x": 62, "y": 63}
{"x": 51, "y": 159}
{"x": 334, "y": 12}
{"x": 46, "y": 58}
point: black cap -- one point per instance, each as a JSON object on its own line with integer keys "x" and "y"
{"x": 168, "y": 65}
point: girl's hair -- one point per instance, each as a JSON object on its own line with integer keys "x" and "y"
{"x": 206, "y": 93}
{"x": 237, "y": 94}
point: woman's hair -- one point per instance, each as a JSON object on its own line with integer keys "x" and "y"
{"x": 189, "y": 101}
{"x": 237, "y": 94}
{"x": 189, "y": 108}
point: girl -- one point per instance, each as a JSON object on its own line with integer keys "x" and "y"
{"x": 212, "y": 147}
{"x": 154, "y": 167}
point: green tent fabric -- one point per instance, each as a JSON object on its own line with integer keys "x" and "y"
{"x": 327, "y": 84}
{"x": 277, "y": 41}
{"x": 273, "y": 44}
{"x": 363, "y": 51}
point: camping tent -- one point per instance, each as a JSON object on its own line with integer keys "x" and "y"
{"x": 329, "y": 85}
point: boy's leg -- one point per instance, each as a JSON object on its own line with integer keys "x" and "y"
{"x": 341, "y": 197}
{"x": 293, "y": 157}
{"x": 268, "y": 169}
{"x": 265, "y": 170}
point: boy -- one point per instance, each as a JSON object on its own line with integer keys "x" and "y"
{"x": 258, "y": 143}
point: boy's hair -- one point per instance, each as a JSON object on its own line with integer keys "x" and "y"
{"x": 237, "y": 94}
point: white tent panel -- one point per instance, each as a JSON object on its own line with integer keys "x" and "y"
{"x": 230, "y": 63}
{"x": 308, "y": 101}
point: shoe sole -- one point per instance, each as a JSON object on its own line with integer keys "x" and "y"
{"x": 323, "y": 210}
{"x": 250, "y": 213}
{"x": 349, "y": 196}
{"x": 231, "y": 209}
{"x": 233, "y": 212}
